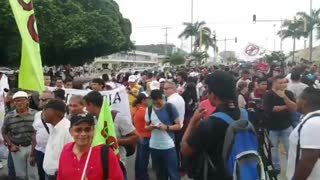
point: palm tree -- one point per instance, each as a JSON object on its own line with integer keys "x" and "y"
{"x": 203, "y": 38}
{"x": 198, "y": 56}
{"x": 214, "y": 44}
{"x": 293, "y": 29}
{"x": 312, "y": 22}
{"x": 191, "y": 30}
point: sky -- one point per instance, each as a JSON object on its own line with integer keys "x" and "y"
{"x": 229, "y": 18}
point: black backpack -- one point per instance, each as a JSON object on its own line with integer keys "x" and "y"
{"x": 168, "y": 108}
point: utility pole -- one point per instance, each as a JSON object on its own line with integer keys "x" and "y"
{"x": 191, "y": 24}
{"x": 311, "y": 34}
{"x": 225, "y": 43}
{"x": 166, "y": 40}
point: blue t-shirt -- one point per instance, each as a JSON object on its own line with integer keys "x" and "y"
{"x": 161, "y": 139}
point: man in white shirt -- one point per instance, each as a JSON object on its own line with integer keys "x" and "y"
{"x": 54, "y": 114}
{"x": 42, "y": 132}
{"x": 170, "y": 91}
{"x": 305, "y": 163}
{"x": 295, "y": 85}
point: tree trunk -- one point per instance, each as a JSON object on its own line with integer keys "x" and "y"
{"x": 294, "y": 49}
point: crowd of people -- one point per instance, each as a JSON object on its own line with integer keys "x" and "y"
{"x": 180, "y": 119}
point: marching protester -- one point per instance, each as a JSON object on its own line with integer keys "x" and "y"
{"x": 133, "y": 89}
{"x": 78, "y": 157}
{"x": 54, "y": 113}
{"x": 304, "y": 149}
{"x": 17, "y": 131}
{"x": 42, "y": 131}
{"x": 76, "y": 105}
{"x": 143, "y": 149}
{"x": 162, "y": 120}
{"x": 279, "y": 103}
{"x": 204, "y": 140}
{"x": 125, "y": 131}
{"x": 97, "y": 84}
{"x": 242, "y": 91}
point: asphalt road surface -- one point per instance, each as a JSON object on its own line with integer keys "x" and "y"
{"x": 130, "y": 169}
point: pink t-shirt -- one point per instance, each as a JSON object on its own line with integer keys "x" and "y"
{"x": 207, "y": 105}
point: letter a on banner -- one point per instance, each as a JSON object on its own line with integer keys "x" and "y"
{"x": 31, "y": 72}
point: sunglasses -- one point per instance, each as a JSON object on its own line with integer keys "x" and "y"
{"x": 80, "y": 130}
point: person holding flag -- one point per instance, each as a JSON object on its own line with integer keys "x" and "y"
{"x": 109, "y": 131}
{"x": 84, "y": 160}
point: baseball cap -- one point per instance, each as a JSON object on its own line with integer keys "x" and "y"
{"x": 162, "y": 80}
{"x": 154, "y": 85}
{"x": 20, "y": 94}
{"x": 80, "y": 118}
{"x": 132, "y": 78}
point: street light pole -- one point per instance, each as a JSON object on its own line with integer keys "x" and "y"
{"x": 311, "y": 34}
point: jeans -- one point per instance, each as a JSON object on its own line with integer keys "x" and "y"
{"x": 295, "y": 118}
{"x": 39, "y": 159}
{"x": 22, "y": 166}
{"x": 275, "y": 137}
{"x": 11, "y": 171}
{"x": 142, "y": 159}
{"x": 165, "y": 163}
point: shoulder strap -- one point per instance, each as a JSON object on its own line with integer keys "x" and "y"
{"x": 149, "y": 112}
{"x": 105, "y": 161}
{"x": 44, "y": 124}
{"x": 170, "y": 113}
{"x": 223, "y": 116}
{"x": 299, "y": 133}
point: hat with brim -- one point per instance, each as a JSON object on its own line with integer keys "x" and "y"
{"x": 81, "y": 118}
{"x": 20, "y": 94}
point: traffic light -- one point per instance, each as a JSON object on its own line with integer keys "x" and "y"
{"x": 254, "y": 18}
{"x": 236, "y": 40}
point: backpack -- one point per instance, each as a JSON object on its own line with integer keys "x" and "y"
{"x": 130, "y": 148}
{"x": 168, "y": 107}
{"x": 240, "y": 149}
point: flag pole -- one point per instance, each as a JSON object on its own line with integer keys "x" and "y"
{"x": 86, "y": 164}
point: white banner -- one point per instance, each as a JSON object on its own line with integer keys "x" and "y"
{"x": 118, "y": 98}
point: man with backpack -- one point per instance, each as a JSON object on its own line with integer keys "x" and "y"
{"x": 304, "y": 148}
{"x": 162, "y": 120}
{"x": 125, "y": 131}
{"x": 224, "y": 146}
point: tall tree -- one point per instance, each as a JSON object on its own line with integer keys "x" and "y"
{"x": 73, "y": 31}
{"x": 191, "y": 30}
{"x": 198, "y": 57}
{"x": 312, "y": 22}
{"x": 293, "y": 29}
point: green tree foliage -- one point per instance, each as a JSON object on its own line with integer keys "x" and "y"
{"x": 176, "y": 59}
{"x": 70, "y": 31}
{"x": 198, "y": 57}
{"x": 293, "y": 29}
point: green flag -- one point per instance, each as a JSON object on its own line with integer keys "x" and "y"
{"x": 105, "y": 132}
{"x": 31, "y": 72}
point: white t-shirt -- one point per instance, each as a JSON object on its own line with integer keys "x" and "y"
{"x": 309, "y": 139}
{"x": 176, "y": 100}
{"x": 42, "y": 135}
{"x": 59, "y": 136}
{"x": 296, "y": 88}
{"x": 123, "y": 126}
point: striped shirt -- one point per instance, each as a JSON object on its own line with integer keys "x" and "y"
{"x": 19, "y": 128}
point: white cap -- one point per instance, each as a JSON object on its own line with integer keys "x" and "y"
{"x": 20, "y": 94}
{"x": 154, "y": 85}
{"x": 162, "y": 80}
{"x": 132, "y": 78}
